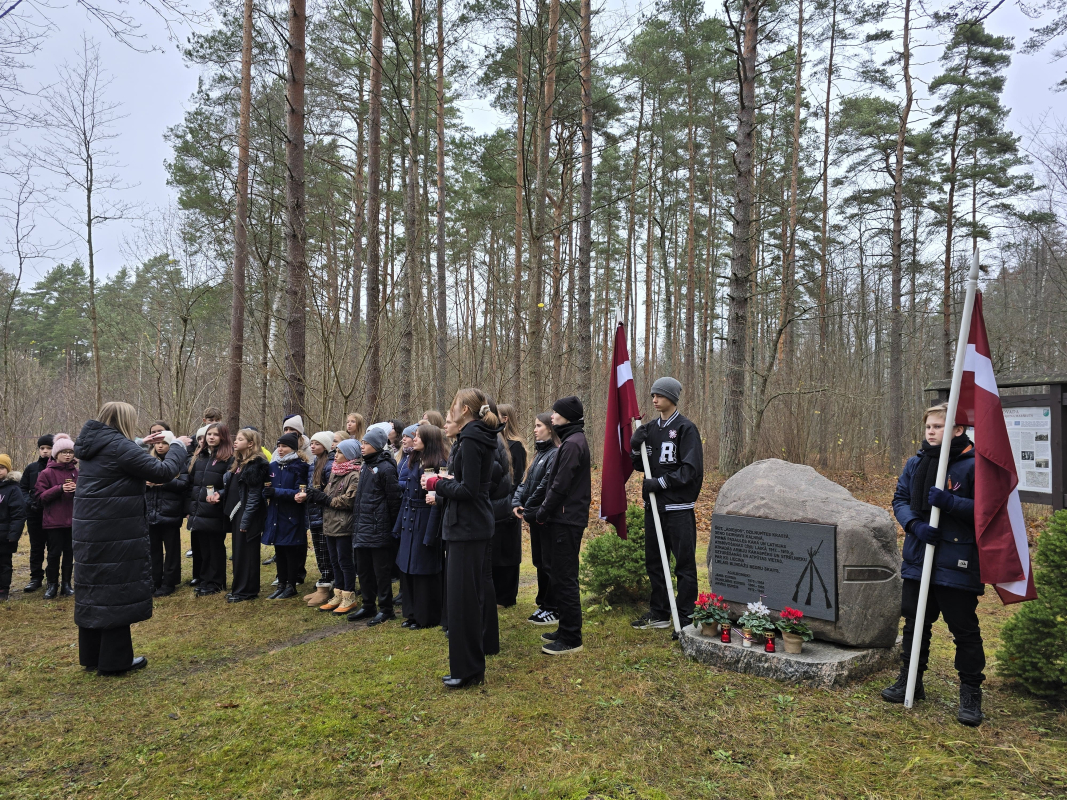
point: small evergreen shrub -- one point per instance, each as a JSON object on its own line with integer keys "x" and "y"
{"x": 1034, "y": 641}
{"x": 613, "y": 569}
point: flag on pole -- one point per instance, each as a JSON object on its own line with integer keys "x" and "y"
{"x": 622, "y": 410}
{"x": 1003, "y": 552}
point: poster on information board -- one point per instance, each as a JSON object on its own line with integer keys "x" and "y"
{"x": 1030, "y": 431}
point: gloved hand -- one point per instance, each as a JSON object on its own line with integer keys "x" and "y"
{"x": 939, "y": 498}
{"x": 638, "y": 439}
{"x": 925, "y": 533}
{"x": 650, "y": 485}
{"x": 541, "y": 516}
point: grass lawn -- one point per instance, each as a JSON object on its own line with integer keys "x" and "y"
{"x": 270, "y": 699}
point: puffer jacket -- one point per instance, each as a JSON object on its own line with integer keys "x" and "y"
{"x": 165, "y": 504}
{"x": 28, "y": 484}
{"x": 243, "y": 501}
{"x": 12, "y": 514}
{"x": 531, "y": 492}
{"x": 501, "y": 487}
{"x": 286, "y": 518}
{"x": 315, "y": 508}
{"x": 338, "y": 502}
{"x": 377, "y": 501}
{"x": 956, "y": 554}
{"x": 57, "y": 504}
{"x": 206, "y": 470}
{"x": 112, "y": 558}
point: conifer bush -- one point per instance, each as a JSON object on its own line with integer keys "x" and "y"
{"x": 613, "y": 569}
{"x": 1034, "y": 641}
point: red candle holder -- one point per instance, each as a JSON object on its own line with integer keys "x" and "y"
{"x": 726, "y": 634}
{"x": 770, "y": 645}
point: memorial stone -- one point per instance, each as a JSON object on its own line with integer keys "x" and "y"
{"x": 855, "y": 570}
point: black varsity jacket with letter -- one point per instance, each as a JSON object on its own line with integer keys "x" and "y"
{"x": 676, "y": 457}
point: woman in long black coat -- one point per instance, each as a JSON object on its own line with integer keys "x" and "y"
{"x": 112, "y": 558}
{"x": 418, "y": 528}
{"x": 207, "y": 519}
{"x": 468, "y": 528}
{"x": 507, "y": 536}
{"x": 245, "y": 509}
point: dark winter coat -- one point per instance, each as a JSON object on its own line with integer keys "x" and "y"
{"x": 377, "y": 501}
{"x": 165, "y": 504}
{"x": 676, "y": 458}
{"x": 338, "y": 503}
{"x": 956, "y": 556}
{"x": 404, "y": 472}
{"x": 531, "y": 492}
{"x": 507, "y": 534}
{"x": 468, "y": 513}
{"x": 314, "y": 510}
{"x": 569, "y": 487}
{"x": 12, "y": 515}
{"x": 28, "y": 484}
{"x": 286, "y": 518}
{"x": 112, "y": 557}
{"x": 500, "y": 483}
{"x": 58, "y": 505}
{"x": 243, "y": 502}
{"x": 206, "y": 470}
{"x": 419, "y": 527}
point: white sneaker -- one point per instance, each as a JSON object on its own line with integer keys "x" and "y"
{"x": 274, "y": 582}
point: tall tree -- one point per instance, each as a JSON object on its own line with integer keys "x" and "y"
{"x": 240, "y": 229}
{"x": 520, "y": 180}
{"x": 374, "y": 195}
{"x": 585, "y": 234}
{"x": 412, "y": 239}
{"x": 295, "y": 228}
{"x": 442, "y": 302}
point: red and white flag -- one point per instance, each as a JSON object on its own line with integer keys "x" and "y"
{"x": 622, "y": 410}
{"x": 1003, "y": 552}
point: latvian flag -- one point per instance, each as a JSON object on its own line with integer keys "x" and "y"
{"x": 1003, "y": 552}
{"x": 622, "y": 409}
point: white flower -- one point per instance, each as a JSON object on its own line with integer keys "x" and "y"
{"x": 758, "y": 609}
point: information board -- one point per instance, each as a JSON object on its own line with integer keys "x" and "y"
{"x": 783, "y": 563}
{"x": 1030, "y": 431}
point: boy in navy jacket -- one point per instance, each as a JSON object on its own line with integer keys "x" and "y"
{"x": 956, "y": 583}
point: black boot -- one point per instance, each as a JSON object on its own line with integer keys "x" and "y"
{"x": 896, "y": 692}
{"x": 51, "y": 592}
{"x": 289, "y": 591}
{"x": 33, "y": 585}
{"x": 970, "y": 712}
{"x": 65, "y": 589}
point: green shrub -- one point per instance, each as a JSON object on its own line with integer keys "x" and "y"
{"x": 1034, "y": 641}
{"x": 613, "y": 569}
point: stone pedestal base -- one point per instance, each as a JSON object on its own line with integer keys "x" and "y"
{"x": 822, "y": 664}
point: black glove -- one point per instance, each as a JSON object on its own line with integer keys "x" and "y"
{"x": 925, "y": 533}
{"x": 541, "y": 515}
{"x": 650, "y": 485}
{"x": 939, "y": 498}
{"x": 638, "y": 439}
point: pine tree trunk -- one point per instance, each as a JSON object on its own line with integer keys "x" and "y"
{"x": 732, "y": 435}
{"x": 585, "y": 236}
{"x": 374, "y": 195}
{"x": 411, "y": 234}
{"x": 295, "y": 232}
{"x": 240, "y": 231}
{"x": 689, "y": 346}
{"x": 823, "y": 404}
{"x": 520, "y": 179}
{"x": 442, "y": 307}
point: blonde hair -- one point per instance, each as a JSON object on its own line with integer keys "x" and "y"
{"x": 940, "y": 410}
{"x": 361, "y": 425}
{"x": 340, "y": 435}
{"x": 478, "y": 403}
{"x": 434, "y": 417}
{"x": 253, "y": 452}
{"x": 511, "y": 425}
{"x": 120, "y": 416}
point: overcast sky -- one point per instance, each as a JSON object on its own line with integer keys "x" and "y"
{"x": 155, "y": 89}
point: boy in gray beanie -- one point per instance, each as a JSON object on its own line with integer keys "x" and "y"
{"x": 676, "y": 457}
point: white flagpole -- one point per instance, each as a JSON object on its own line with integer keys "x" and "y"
{"x": 942, "y": 473}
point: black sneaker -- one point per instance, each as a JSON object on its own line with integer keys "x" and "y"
{"x": 560, "y": 648}
{"x": 898, "y": 690}
{"x": 649, "y": 620}
{"x": 970, "y": 713}
{"x": 551, "y": 636}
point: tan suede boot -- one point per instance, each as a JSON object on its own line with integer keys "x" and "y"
{"x": 333, "y": 602}
{"x": 348, "y": 603}
{"x": 320, "y": 596}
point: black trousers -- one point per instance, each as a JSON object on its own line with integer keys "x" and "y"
{"x": 198, "y": 555}
{"x": 566, "y": 546}
{"x": 212, "y": 559}
{"x": 5, "y": 567}
{"x": 680, "y": 539}
{"x": 375, "y": 568}
{"x": 490, "y": 621}
{"x": 166, "y": 543}
{"x": 342, "y": 562}
{"x": 444, "y": 586}
{"x": 541, "y": 549}
{"x": 959, "y": 608}
{"x": 38, "y": 545}
{"x": 466, "y": 598}
{"x": 289, "y": 558}
{"x": 506, "y": 583}
{"x": 246, "y": 566}
{"x": 422, "y": 598}
{"x": 109, "y": 650}
{"x": 322, "y": 555}
{"x": 60, "y": 547}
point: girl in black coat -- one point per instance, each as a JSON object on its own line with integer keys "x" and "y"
{"x": 507, "y": 536}
{"x": 528, "y": 496}
{"x": 245, "y": 508}
{"x": 207, "y": 522}
{"x": 12, "y": 517}
{"x": 468, "y": 528}
{"x": 418, "y": 528}
{"x": 112, "y": 564}
{"x": 165, "y": 509}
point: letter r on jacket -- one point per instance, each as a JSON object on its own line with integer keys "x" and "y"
{"x": 667, "y": 453}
